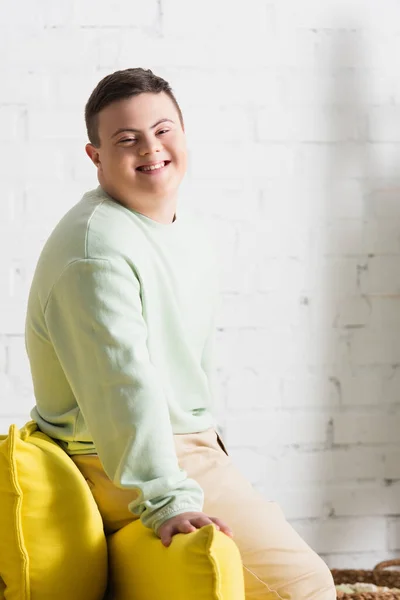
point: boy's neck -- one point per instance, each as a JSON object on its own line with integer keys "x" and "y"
{"x": 162, "y": 211}
{"x": 165, "y": 214}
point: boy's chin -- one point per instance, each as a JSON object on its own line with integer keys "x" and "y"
{"x": 157, "y": 190}
{"x": 158, "y": 184}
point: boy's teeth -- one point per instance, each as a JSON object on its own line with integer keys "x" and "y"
{"x": 153, "y": 167}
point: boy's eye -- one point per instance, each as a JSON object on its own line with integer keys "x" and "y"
{"x": 135, "y": 140}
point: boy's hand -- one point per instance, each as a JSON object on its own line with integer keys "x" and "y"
{"x": 188, "y": 522}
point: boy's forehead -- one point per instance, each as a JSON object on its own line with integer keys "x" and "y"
{"x": 138, "y": 112}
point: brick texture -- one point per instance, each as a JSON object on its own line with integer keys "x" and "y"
{"x": 293, "y": 124}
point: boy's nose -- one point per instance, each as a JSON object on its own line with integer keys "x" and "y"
{"x": 149, "y": 147}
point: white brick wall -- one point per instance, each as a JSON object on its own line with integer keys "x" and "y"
{"x": 293, "y": 120}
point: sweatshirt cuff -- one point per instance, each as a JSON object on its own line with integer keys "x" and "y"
{"x": 169, "y": 512}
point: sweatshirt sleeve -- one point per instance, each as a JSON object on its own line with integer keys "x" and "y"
{"x": 95, "y": 322}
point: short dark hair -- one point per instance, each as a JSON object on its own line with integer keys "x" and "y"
{"x": 120, "y": 85}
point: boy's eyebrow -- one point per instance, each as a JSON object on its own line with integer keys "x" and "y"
{"x": 138, "y": 130}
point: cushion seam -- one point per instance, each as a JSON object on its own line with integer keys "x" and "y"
{"x": 18, "y": 519}
{"x": 215, "y": 571}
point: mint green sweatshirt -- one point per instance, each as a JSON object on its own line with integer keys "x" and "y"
{"x": 119, "y": 335}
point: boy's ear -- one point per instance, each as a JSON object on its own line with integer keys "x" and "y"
{"x": 93, "y": 154}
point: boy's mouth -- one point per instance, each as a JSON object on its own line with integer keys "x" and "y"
{"x": 153, "y": 167}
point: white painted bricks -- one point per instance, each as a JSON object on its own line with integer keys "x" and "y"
{"x": 293, "y": 120}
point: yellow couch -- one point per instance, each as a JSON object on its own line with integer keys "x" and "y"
{"x": 52, "y": 543}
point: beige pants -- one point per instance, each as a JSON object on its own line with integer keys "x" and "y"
{"x": 278, "y": 564}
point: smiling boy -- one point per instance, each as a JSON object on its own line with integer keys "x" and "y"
{"x": 119, "y": 333}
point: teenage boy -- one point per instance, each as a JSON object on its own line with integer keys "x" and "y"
{"x": 119, "y": 334}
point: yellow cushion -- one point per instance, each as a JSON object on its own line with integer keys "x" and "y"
{"x": 52, "y": 544}
{"x": 203, "y": 565}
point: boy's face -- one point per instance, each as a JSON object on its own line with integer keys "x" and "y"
{"x": 134, "y": 133}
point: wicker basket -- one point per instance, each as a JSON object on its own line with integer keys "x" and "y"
{"x": 379, "y": 576}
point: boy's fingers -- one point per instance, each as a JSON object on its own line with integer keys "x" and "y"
{"x": 166, "y": 540}
{"x": 166, "y": 534}
{"x": 221, "y": 525}
{"x": 189, "y": 524}
{"x": 201, "y": 521}
{"x": 186, "y": 527}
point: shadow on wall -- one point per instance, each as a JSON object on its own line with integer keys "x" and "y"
{"x": 355, "y": 314}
